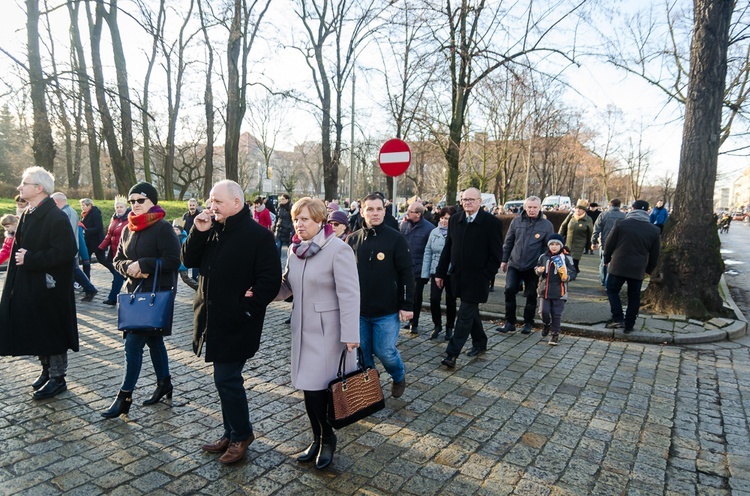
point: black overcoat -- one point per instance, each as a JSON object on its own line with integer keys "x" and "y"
{"x": 37, "y": 309}
{"x": 233, "y": 257}
{"x": 471, "y": 255}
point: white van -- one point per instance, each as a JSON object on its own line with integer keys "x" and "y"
{"x": 513, "y": 204}
{"x": 488, "y": 201}
{"x": 561, "y": 202}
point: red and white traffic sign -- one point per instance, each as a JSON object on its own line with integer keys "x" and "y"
{"x": 394, "y": 157}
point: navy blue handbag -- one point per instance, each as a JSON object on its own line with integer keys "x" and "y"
{"x": 144, "y": 311}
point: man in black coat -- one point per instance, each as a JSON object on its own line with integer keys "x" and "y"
{"x": 630, "y": 252}
{"x": 37, "y": 310}
{"x": 471, "y": 257}
{"x": 235, "y": 254}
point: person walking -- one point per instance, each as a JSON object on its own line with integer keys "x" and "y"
{"x": 555, "y": 269}
{"x": 472, "y": 254}
{"x": 386, "y": 281}
{"x": 109, "y": 246}
{"x": 577, "y": 229}
{"x": 416, "y": 230}
{"x": 432, "y": 251}
{"x": 235, "y": 254}
{"x": 659, "y": 215}
{"x": 37, "y": 307}
{"x": 603, "y": 225}
{"x": 526, "y": 240}
{"x": 93, "y": 225}
{"x": 631, "y": 252}
{"x": 322, "y": 275}
{"x": 148, "y": 238}
{"x": 283, "y": 227}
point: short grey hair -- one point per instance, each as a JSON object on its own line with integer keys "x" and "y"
{"x": 234, "y": 189}
{"x": 42, "y": 177}
{"x": 531, "y": 198}
{"x": 87, "y": 201}
{"x": 59, "y": 196}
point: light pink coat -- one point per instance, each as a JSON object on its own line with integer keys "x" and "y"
{"x": 325, "y": 312}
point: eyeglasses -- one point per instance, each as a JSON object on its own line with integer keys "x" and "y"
{"x": 139, "y": 201}
{"x": 469, "y": 200}
{"x": 29, "y": 184}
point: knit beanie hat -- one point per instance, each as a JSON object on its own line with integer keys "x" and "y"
{"x": 338, "y": 216}
{"x": 555, "y": 238}
{"x": 145, "y": 189}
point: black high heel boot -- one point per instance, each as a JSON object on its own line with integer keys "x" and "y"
{"x": 311, "y": 453}
{"x": 163, "y": 388}
{"x": 42, "y": 379}
{"x": 327, "y": 447}
{"x": 121, "y": 405}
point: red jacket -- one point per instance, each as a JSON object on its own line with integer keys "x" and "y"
{"x": 5, "y": 250}
{"x": 263, "y": 218}
{"x": 114, "y": 232}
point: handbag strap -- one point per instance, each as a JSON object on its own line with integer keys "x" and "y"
{"x": 342, "y": 362}
{"x": 157, "y": 271}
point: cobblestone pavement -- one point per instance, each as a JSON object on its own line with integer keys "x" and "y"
{"x": 589, "y": 416}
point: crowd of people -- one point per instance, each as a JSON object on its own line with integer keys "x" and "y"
{"x": 355, "y": 275}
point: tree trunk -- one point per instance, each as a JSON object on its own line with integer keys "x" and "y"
{"x": 690, "y": 266}
{"x": 209, "y": 106}
{"x": 44, "y": 146}
{"x": 234, "y": 113}
{"x": 157, "y": 33}
{"x": 124, "y": 170}
{"x": 85, "y": 91}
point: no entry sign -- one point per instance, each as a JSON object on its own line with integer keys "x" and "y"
{"x": 394, "y": 157}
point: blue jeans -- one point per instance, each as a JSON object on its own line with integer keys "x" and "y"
{"x": 235, "y": 413}
{"x": 134, "y": 344}
{"x": 602, "y": 268}
{"x": 117, "y": 281}
{"x": 378, "y": 335}
{"x": 81, "y": 278}
{"x": 614, "y": 285}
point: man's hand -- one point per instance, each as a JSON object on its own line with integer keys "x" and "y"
{"x": 504, "y": 267}
{"x": 203, "y": 221}
{"x": 403, "y": 315}
{"x": 351, "y": 346}
{"x": 593, "y": 246}
{"x": 20, "y": 254}
{"x": 439, "y": 282}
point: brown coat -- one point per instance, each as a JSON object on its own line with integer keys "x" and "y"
{"x": 325, "y": 313}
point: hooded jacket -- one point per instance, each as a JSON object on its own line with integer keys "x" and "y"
{"x": 551, "y": 286}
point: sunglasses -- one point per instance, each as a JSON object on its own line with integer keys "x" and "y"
{"x": 139, "y": 201}
{"x": 335, "y": 224}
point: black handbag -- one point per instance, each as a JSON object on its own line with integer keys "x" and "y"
{"x": 149, "y": 312}
{"x": 354, "y": 396}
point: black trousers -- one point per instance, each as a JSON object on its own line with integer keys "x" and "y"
{"x": 468, "y": 324}
{"x": 419, "y": 284}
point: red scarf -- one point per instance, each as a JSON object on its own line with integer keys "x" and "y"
{"x": 142, "y": 221}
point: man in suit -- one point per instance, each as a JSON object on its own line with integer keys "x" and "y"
{"x": 473, "y": 251}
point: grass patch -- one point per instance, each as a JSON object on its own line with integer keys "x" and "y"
{"x": 174, "y": 209}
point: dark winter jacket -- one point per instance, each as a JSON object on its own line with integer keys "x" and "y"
{"x": 37, "y": 309}
{"x": 386, "y": 271}
{"x": 632, "y": 247}
{"x": 283, "y": 228}
{"x": 94, "y": 227}
{"x": 144, "y": 247}
{"x": 604, "y": 224}
{"x": 526, "y": 240}
{"x": 471, "y": 255}
{"x": 233, "y": 257}
{"x": 114, "y": 233}
{"x": 416, "y": 236}
{"x": 551, "y": 286}
{"x": 188, "y": 219}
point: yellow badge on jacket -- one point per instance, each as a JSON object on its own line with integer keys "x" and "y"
{"x": 537, "y": 235}
{"x": 381, "y": 256}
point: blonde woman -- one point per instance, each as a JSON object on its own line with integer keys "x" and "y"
{"x": 112, "y": 241}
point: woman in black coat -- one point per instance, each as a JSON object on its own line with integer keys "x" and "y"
{"x": 93, "y": 234}
{"x": 148, "y": 237}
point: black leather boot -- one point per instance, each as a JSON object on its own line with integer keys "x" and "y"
{"x": 436, "y": 332}
{"x": 448, "y": 333}
{"x": 53, "y": 387}
{"x": 327, "y": 447}
{"x": 163, "y": 388}
{"x": 120, "y": 406}
{"x": 311, "y": 453}
{"x": 42, "y": 379}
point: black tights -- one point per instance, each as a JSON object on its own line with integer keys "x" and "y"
{"x": 316, "y": 404}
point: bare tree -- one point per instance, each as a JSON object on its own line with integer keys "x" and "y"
{"x": 208, "y": 103}
{"x": 267, "y": 119}
{"x": 246, "y": 20}
{"x": 335, "y": 30}
{"x": 687, "y": 276}
{"x": 44, "y": 146}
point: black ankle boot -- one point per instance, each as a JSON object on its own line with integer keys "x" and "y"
{"x": 163, "y": 388}
{"x": 448, "y": 333}
{"x": 311, "y": 453}
{"x": 120, "y": 406}
{"x": 327, "y": 447}
{"x": 42, "y": 379}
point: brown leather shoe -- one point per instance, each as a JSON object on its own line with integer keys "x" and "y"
{"x": 236, "y": 451}
{"x": 398, "y": 388}
{"x": 220, "y": 446}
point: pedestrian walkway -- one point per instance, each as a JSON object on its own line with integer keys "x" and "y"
{"x": 589, "y": 416}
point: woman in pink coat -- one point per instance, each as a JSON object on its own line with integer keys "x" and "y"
{"x": 322, "y": 275}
